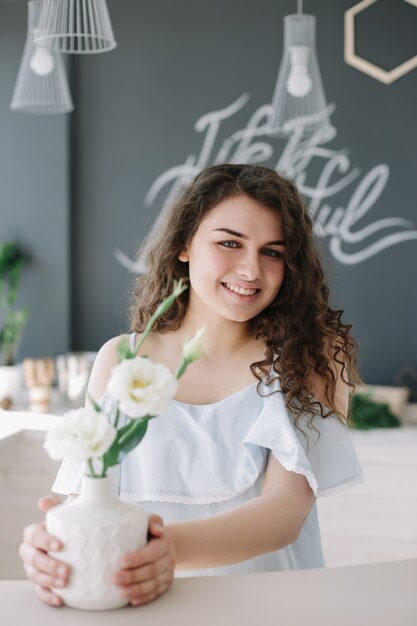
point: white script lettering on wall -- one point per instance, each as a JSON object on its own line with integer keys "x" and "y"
{"x": 353, "y": 233}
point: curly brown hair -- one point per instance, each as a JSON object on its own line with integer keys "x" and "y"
{"x": 298, "y": 326}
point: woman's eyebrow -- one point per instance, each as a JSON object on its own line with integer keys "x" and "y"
{"x": 279, "y": 242}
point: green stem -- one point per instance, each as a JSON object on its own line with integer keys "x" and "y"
{"x": 181, "y": 369}
{"x": 161, "y": 309}
{"x": 116, "y": 419}
{"x": 91, "y": 468}
{"x": 148, "y": 328}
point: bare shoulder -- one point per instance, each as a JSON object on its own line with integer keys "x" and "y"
{"x": 104, "y": 362}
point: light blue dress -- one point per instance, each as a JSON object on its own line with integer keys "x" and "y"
{"x": 199, "y": 460}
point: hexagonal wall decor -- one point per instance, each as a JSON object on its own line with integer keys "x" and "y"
{"x": 353, "y": 59}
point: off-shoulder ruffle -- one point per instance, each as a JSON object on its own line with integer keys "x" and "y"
{"x": 211, "y": 453}
{"x": 327, "y": 458}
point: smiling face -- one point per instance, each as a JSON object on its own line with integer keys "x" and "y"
{"x": 236, "y": 259}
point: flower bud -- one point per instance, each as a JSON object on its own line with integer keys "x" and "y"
{"x": 194, "y": 349}
{"x": 179, "y": 287}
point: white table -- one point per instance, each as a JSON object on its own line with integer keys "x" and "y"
{"x": 382, "y": 594}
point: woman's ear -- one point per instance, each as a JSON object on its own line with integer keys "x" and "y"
{"x": 183, "y": 256}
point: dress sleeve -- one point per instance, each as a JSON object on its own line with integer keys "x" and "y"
{"x": 328, "y": 462}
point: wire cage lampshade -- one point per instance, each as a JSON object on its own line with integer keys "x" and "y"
{"x": 76, "y": 26}
{"x": 299, "y": 93}
{"x": 41, "y": 85}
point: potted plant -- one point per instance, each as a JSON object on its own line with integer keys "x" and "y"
{"x": 12, "y": 322}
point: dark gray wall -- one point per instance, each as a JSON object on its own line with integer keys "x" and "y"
{"x": 177, "y": 60}
{"x": 34, "y": 205}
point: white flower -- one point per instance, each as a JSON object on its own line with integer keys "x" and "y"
{"x": 81, "y": 435}
{"x": 194, "y": 349}
{"x": 142, "y": 387}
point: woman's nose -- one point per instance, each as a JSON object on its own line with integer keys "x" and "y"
{"x": 249, "y": 268}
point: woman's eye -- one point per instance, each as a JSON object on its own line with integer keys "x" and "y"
{"x": 269, "y": 252}
{"x": 274, "y": 254}
{"x": 229, "y": 244}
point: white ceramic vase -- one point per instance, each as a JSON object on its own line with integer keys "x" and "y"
{"x": 96, "y": 529}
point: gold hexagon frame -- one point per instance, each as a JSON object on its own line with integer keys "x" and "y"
{"x": 351, "y": 58}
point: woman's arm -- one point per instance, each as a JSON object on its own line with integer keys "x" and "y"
{"x": 269, "y": 522}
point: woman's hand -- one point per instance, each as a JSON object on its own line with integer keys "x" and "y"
{"x": 41, "y": 568}
{"x": 148, "y": 572}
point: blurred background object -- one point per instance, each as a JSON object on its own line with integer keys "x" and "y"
{"x": 39, "y": 376}
{"x": 407, "y": 377}
{"x": 41, "y": 84}
{"x": 12, "y": 322}
{"x": 10, "y": 384}
{"x": 73, "y": 372}
{"x": 299, "y": 91}
{"x": 395, "y": 397}
{"x": 75, "y": 27}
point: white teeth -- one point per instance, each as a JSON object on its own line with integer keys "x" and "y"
{"x": 240, "y": 290}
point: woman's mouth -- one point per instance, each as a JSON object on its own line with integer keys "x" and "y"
{"x": 240, "y": 291}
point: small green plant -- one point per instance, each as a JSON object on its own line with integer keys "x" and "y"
{"x": 12, "y": 322}
{"x": 366, "y": 413}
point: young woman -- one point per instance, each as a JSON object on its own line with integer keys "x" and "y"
{"x": 259, "y": 427}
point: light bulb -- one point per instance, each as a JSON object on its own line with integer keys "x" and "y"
{"x": 42, "y": 62}
{"x": 299, "y": 83}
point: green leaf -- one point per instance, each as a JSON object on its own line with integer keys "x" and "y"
{"x": 13, "y": 322}
{"x": 128, "y": 437}
{"x": 366, "y": 413}
{"x": 134, "y": 435}
{"x": 96, "y": 406}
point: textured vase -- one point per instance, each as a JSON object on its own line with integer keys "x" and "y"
{"x": 96, "y": 530}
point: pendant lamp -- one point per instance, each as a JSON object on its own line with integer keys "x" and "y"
{"x": 76, "y": 26}
{"x": 299, "y": 93}
{"x": 41, "y": 85}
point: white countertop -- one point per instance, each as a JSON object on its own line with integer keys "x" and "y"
{"x": 380, "y": 594}
{"x": 14, "y": 422}
{"x": 362, "y": 595}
